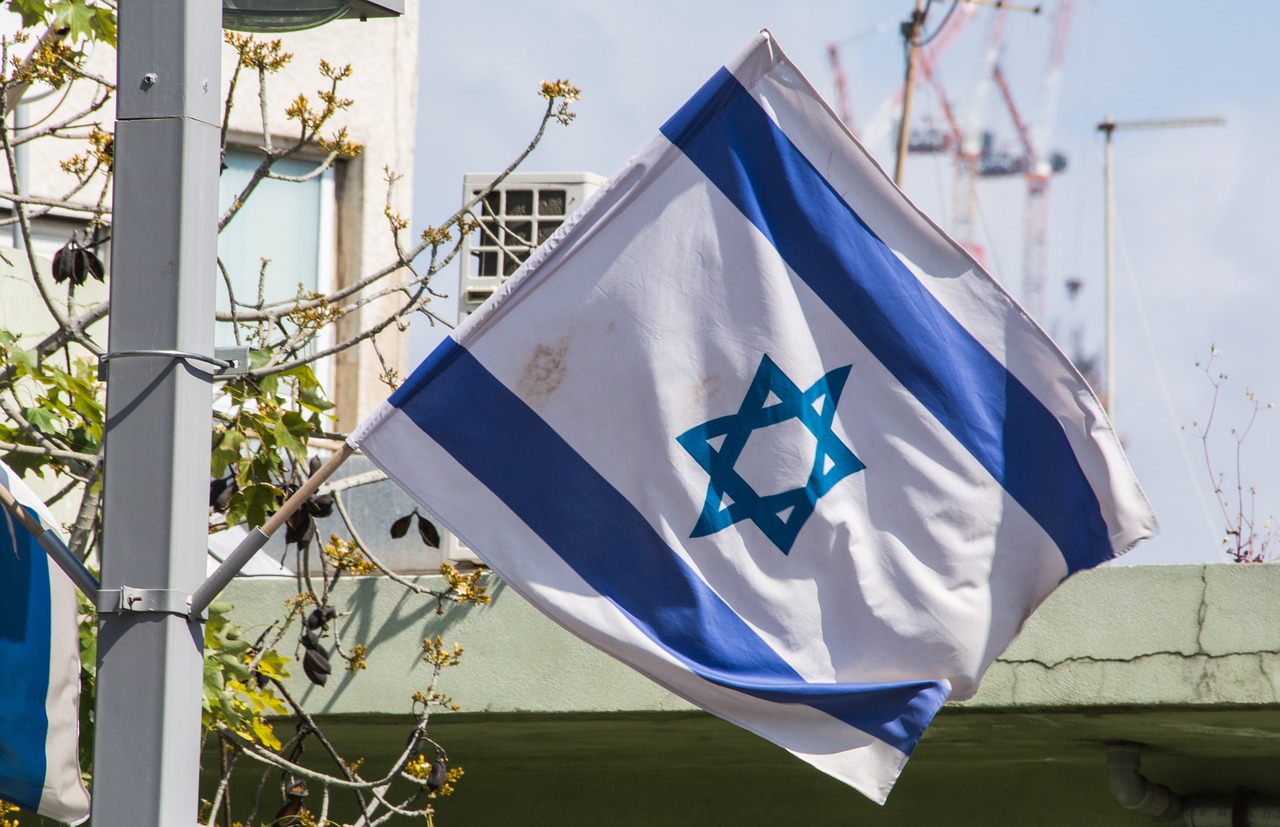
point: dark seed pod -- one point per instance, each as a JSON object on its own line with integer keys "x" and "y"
{"x": 309, "y": 640}
{"x": 313, "y": 465}
{"x": 260, "y": 679}
{"x": 221, "y": 491}
{"x": 300, "y": 529}
{"x": 315, "y": 619}
{"x": 290, "y": 813}
{"x": 428, "y": 532}
{"x": 223, "y": 500}
{"x": 74, "y": 263}
{"x": 438, "y": 775}
{"x": 401, "y": 526}
{"x": 320, "y": 505}
{"x": 329, "y": 613}
{"x": 316, "y": 667}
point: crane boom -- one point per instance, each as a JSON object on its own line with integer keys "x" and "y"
{"x": 1043, "y": 129}
{"x": 841, "y": 88}
{"x": 1024, "y": 134}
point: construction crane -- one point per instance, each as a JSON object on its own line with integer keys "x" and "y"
{"x": 1036, "y": 162}
{"x": 964, "y": 190}
{"x": 841, "y": 88}
{"x": 1043, "y": 165}
{"x": 879, "y": 125}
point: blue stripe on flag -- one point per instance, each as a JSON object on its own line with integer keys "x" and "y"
{"x": 25, "y": 634}
{"x": 730, "y": 138}
{"x": 597, "y": 531}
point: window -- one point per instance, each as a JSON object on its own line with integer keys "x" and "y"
{"x": 288, "y": 223}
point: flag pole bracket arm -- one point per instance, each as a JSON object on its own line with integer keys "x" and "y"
{"x": 69, "y": 563}
{"x": 258, "y": 537}
{"x": 128, "y": 599}
{"x": 228, "y": 361}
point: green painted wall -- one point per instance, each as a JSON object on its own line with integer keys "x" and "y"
{"x": 552, "y": 732}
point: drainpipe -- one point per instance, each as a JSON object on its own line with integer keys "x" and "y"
{"x": 1135, "y": 792}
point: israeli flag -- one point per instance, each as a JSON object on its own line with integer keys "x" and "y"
{"x": 754, "y": 425}
{"x": 40, "y": 662}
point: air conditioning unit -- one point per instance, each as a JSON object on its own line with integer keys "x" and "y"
{"x": 456, "y": 551}
{"x": 514, "y": 219}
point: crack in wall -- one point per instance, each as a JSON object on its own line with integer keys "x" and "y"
{"x": 1203, "y": 611}
{"x": 1201, "y": 655}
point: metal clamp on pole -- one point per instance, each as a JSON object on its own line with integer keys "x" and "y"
{"x": 129, "y": 599}
{"x": 228, "y": 361}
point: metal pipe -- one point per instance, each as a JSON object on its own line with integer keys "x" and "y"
{"x": 1135, "y": 792}
{"x": 1132, "y": 789}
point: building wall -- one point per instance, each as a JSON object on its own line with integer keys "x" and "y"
{"x": 383, "y": 55}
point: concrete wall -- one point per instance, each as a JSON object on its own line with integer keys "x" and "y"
{"x": 1182, "y": 658}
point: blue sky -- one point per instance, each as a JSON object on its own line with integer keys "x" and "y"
{"x": 1197, "y": 209}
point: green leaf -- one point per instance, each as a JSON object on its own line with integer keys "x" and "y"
{"x": 312, "y": 398}
{"x": 226, "y": 452}
{"x": 22, "y": 464}
{"x": 42, "y": 419}
{"x": 253, "y": 503}
{"x": 304, "y": 374}
{"x": 263, "y": 730}
{"x": 272, "y": 664}
{"x": 286, "y": 436}
{"x": 27, "y": 360}
{"x": 33, "y": 11}
{"x": 104, "y": 23}
{"x": 77, "y": 16}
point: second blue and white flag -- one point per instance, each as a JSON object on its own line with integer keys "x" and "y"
{"x": 754, "y": 425}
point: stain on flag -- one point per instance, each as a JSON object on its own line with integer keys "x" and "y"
{"x": 802, "y": 462}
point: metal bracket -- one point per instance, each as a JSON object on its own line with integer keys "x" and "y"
{"x": 227, "y": 361}
{"x": 129, "y": 599}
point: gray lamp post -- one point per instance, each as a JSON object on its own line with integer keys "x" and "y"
{"x": 1108, "y": 128}
{"x": 155, "y": 525}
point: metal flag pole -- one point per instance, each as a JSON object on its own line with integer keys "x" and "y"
{"x": 159, "y": 413}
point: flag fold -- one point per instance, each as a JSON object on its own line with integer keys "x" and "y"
{"x": 755, "y": 426}
{"x": 40, "y": 661}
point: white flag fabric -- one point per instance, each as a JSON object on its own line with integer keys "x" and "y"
{"x": 755, "y": 426}
{"x": 40, "y": 661}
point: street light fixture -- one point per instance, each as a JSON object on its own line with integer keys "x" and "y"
{"x": 276, "y": 16}
{"x": 1108, "y": 128}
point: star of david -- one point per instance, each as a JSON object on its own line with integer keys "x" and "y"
{"x": 717, "y": 444}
